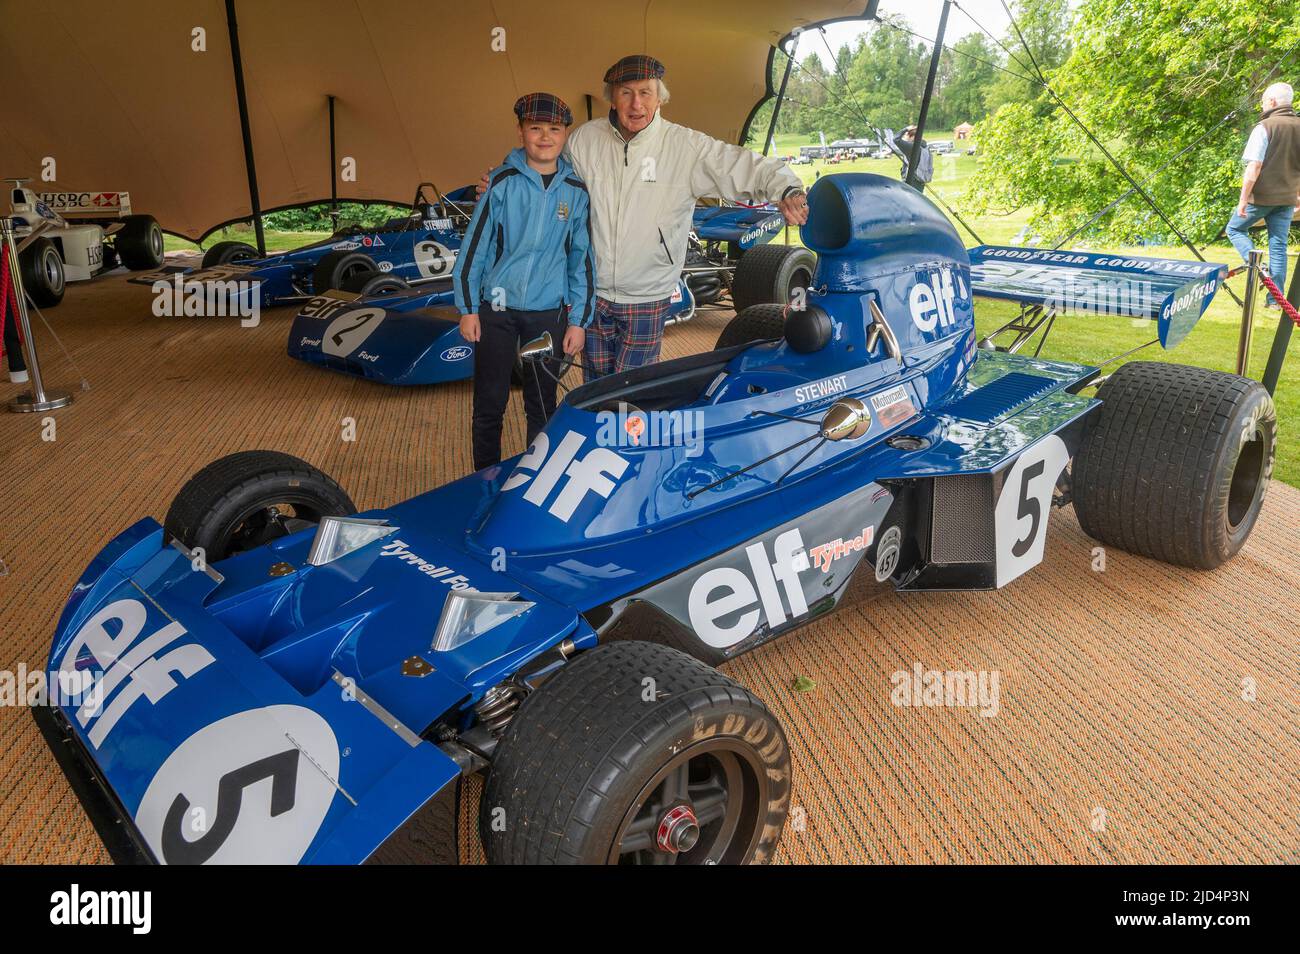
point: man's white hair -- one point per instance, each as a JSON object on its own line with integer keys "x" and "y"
{"x": 664, "y": 95}
{"x": 1282, "y": 93}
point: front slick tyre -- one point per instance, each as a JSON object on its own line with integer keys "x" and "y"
{"x": 635, "y": 753}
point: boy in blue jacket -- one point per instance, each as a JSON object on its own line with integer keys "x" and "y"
{"x": 524, "y": 268}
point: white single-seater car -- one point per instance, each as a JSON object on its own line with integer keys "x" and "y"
{"x": 74, "y": 236}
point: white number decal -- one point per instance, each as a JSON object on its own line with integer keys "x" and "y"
{"x": 1020, "y": 517}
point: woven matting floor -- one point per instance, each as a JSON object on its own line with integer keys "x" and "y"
{"x": 1126, "y": 729}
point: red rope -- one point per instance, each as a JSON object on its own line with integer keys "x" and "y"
{"x": 5, "y": 293}
{"x": 1279, "y": 297}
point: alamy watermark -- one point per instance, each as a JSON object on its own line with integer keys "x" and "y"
{"x": 934, "y": 688}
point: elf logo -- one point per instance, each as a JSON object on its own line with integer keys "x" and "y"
{"x": 576, "y": 477}
{"x": 931, "y": 302}
{"x": 720, "y": 593}
{"x": 136, "y": 672}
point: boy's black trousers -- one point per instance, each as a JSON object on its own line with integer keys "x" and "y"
{"x": 502, "y": 332}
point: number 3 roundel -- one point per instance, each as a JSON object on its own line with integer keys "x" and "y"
{"x": 1020, "y": 516}
{"x": 243, "y": 790}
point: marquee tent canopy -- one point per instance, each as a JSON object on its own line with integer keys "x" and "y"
{"x": 142, "y": 96}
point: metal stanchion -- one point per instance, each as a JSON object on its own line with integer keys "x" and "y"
{"x": 1253, "y": 264}
{"x": 38, "y": 399}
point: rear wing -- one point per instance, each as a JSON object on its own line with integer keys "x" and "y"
{"x": 1171, "y": 292}
{"x": 88, "y": 205}
{"x": 741, "y": 224}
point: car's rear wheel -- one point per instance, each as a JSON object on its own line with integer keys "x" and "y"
{"x": 635, "y": 753}
{"x": 372, "y": 284}
{"x": 1175, "y": 463}
{"x": 139, "y": 243}
{"x": 339, "y": 266}
{"x": 225, "y": 253}
{"x": 755, "y": 323}
{"x": 771, "y": 273}
{"x": 248, "y": 499}
{"x": 42, "y": 271}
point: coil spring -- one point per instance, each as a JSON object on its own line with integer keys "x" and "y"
{"x": 498, "y": 706}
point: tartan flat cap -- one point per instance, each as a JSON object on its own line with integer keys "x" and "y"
{"x": 543, "y": 108}
{"x": 635, "y": 67}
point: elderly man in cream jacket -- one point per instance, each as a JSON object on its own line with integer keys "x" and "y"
{"x": 643, "y": 176}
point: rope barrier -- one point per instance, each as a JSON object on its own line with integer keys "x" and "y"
{"x": 1286, "y": 306}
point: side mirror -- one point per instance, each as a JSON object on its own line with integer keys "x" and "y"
{"x": 540, "y": 348}
{"x": 846, "y": 420}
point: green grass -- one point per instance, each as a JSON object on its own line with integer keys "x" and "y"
{"x": 275, "y": 241}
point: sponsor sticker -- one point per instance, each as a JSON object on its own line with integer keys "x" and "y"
{"x": 457, "y": 353}
{"x": 543, "y": 470}
{"x": 893, "y": 406}
{"x": 825, "y": 554}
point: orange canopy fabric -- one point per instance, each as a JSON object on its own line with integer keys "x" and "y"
{"x": 140, "y": 96}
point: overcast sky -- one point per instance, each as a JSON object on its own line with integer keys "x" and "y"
{"x": 923, "y": 16}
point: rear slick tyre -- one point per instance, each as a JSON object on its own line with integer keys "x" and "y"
{"x": 1175, "y": 463}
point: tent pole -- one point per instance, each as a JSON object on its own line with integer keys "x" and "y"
{"x": 780, "y": 96}
{"x": 237, "y": 61}
{"x": 929, "y": 92}
{"x": 334, "y": 176}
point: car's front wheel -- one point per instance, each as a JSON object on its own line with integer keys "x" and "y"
{"x": 634, "y": 753}
{"x": 244, "y": 500}
{"x": 42, "y": 271}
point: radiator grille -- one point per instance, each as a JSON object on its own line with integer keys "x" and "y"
{"x": 961, "y": 530}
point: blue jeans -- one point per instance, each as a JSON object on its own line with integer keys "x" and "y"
{"x": 1278, "y": 220}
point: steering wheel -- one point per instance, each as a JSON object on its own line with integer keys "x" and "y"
{"x": 421, "y": 202}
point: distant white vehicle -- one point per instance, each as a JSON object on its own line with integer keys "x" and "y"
{"x": 941, "y": 147}
{"x": 75, "y": 236}
{"x": 801, "y": 161}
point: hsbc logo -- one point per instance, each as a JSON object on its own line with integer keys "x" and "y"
{"x": 771, "y": 585}
{"x": 931, "y": 302}
{"x": 562, "y": 477}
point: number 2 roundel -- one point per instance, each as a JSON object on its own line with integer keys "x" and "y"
{"x": 252, "y": 788}
{"x": 1020, "y": 516}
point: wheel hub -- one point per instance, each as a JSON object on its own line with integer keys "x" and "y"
{"x": 678, "y": 830}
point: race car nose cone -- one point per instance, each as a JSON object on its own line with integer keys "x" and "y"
{"x": 846, "y": 419}
{"x": 678, "y": 830}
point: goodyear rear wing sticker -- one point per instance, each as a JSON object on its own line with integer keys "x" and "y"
{"x": 1171, "y": 292}
{"x": 744, "y": 225}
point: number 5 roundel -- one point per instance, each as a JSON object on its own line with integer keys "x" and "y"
{"x": 1020, "y": 516}
{"x": 252, "y": 788}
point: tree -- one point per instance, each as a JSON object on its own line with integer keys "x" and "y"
{"x": 1045, "y": 27}
{"x": 1153, "y": 80}
{"x": 964, "y": 97}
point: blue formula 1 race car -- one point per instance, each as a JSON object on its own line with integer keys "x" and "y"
{"x": 404, "y": 336}
{"x": 270, "y": 677}
{"x": 411, "y": 250}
